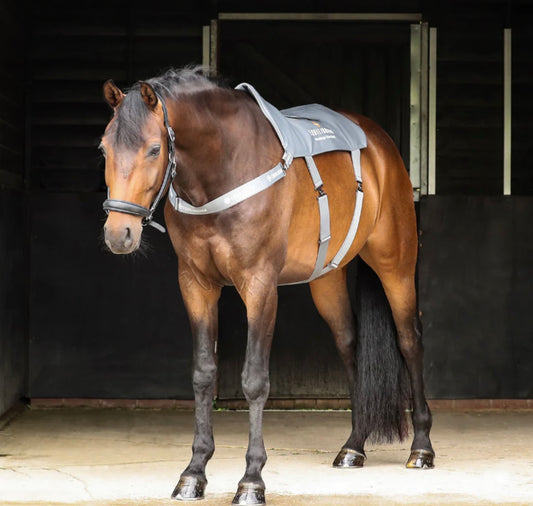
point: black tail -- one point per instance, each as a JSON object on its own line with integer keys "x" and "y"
{"x": 382, "y": 391}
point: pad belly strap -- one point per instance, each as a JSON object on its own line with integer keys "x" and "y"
{"x": 354, "y": 225}
{"x": 323, "y": 210}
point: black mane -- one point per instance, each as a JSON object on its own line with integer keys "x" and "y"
{"x": 178, "y": 81}
{"x": 132, "y": 113}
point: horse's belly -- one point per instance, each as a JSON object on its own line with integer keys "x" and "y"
{"x": 340, "y": 186}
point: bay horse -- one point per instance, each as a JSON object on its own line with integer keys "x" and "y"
{"x": 183, "y": 131}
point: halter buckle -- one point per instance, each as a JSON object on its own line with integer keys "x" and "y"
{"x": 171, "y": 134}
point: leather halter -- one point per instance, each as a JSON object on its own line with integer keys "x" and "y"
{"x": 123, "y": 206}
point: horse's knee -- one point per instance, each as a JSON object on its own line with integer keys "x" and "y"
{"x": 255, "y": 385}
{"x": 203, "y": 377}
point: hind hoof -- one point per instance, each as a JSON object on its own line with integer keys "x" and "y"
{"x": 349, "y": 458}
{"x": 189, "y": 488}
{"x": 421, "y": 459}
{"x": 248, "y": 493}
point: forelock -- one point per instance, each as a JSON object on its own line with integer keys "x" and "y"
{"x": 127, "y": 127}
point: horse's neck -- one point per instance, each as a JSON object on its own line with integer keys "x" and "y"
{"x": 219, "y": 145}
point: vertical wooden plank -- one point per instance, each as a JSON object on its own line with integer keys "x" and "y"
{"x": 414, "y": 150}
{"x": 432, "y": 113}
{"x": 213, "y": 56}
{"x": 206, "y": 45}
{"x": 507, "y": 82}
{"x": 424, "y": 83}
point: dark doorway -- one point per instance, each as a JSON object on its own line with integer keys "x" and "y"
{"x": 363, "y": 67}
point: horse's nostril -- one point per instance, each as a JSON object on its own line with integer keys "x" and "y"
{"x": 128, "y": 239}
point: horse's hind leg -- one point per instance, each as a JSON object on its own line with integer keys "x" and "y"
{"x": 330, "y": 295}
{"x": 402, "y": 298}
{"x": 201, "y": 304}
{"x": 397, "y": 274}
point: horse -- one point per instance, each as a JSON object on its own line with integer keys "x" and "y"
{"x": 207, "y": 144}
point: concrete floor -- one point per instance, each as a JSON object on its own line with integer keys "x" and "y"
{"x": 113, "y": 457}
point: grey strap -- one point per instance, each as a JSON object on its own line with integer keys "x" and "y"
{"x": 325, "y": 236}
{"x": 313, "y": 171}
{"x": 354, "y": 225}
{"x": 323, "y": 210}
{"x": 232, "y": 197}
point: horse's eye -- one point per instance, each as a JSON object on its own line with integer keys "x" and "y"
{"x": 154, "y": 151}
{"x": 102, "y": 149}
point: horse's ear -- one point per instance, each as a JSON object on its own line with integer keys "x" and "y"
{"x": 148, "y": 94}
{"x": 112, "y": 94}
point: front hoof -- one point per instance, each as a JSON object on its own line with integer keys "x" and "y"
{"x": 349, "y": 458}
{"x": 249, "y": 493}
{"x": 189, "y": 488}
{"x": 421, "y": 459}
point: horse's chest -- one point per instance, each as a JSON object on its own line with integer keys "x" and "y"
{"x": 214, "y": 256}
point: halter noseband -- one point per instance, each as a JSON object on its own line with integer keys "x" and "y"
{"x": 123, "y": 206}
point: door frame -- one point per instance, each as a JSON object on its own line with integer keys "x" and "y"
{"x": 422, "y": 133}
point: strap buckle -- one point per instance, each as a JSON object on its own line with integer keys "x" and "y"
{"x": 287, "y": 160}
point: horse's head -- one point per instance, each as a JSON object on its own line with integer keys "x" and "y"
{"x": 135, "y": 147}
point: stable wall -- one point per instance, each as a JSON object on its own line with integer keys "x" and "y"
{"x": 13, "y": 210}
{"x": 103, "y": 326}
{"x": 13, "y": 298}
{"x": 475, "y": 290}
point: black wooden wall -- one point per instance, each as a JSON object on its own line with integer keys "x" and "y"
{"x": 476, "y": 245}
{"x": 73, "y": 50}
{"x": 476, "y": 288}
{"x": 470, "y": 99}
{"x": 522, "y": 104}
{"x": 102, "y": 326}
{"x": 13, "y": 208}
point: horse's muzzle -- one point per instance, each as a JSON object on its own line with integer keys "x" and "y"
{"x": 122, "y": 239}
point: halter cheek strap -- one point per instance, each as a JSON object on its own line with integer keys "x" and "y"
{"x": 123, "y": 206}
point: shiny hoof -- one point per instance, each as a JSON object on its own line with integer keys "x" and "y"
{"x": 421, "y": 459}
{"x": 349, "y": 458}
{"x": 189, "y": 488}
{"x": 249, "y": 493}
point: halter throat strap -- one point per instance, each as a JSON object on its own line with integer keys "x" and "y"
{"x": 123, "y": 206}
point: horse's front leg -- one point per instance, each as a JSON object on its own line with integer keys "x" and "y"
{"x": 261, "y": 298}
{"x": 201, "y": 305}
